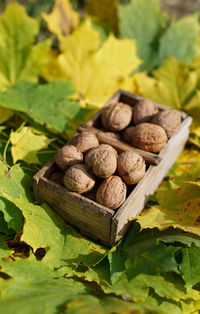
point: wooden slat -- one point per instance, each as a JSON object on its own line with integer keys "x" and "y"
{"x": 121, "y": 146}
{"x": 78, "y": 210}
{"x": 147, "y": 186}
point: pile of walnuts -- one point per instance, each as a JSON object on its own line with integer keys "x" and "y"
{"x": 97, "y": 170}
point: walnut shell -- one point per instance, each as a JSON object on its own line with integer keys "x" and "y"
{"x": 131, "y": 167}
{"x": 67, "y": 156}
{"x": 169, "y": 120}
{"x": 127, "y": 133}
{"x": 85, "y": 141}
{"x": 149, "y": 137}
{"x": 102, "y": 160}
{"x": 112, "y": 192}
{"x": 143, "y": 111}
{"x": 78, "y": 178}
{"x": 116, "y": 117}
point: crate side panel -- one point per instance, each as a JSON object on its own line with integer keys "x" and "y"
{"x": 80, "y": 213}
{"x": 146, "y": 188}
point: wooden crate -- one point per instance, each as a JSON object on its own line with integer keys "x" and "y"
{"x": 93, "y": 219}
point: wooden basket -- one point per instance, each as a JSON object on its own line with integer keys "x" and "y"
{"x": 93, "y": 219}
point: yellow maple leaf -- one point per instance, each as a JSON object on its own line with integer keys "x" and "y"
{"x": 97, "y": 74}
{"x": 175, "y": 85}
{"x": 19, "y": 58}
{"x": 172, "y": 84}
{"x": 187, "y": 158}
{"x": 63, "y": 19}
{"x": 187, "y": 218}
{"x": 106, "y": 11}
{"x": 26, "y": 144}
{"x": 53, "y": 70}
{"x": 76, "y": 49}
{"x": 179, "y": 203}
{"x": 5, "y": 114}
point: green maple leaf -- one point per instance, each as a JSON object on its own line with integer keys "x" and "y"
{"x": 34, "y": 288}
{"x": 16, "y": 183}
{"x": 4, "y": 250}
{"x": 44, "y": 229}
{"x": 180, "y": 40}
{"x": 189, "y": 265}
{"x": 144, "y": 21}
{"x": 46, "y": 104}
{"x": 142, "y": 254}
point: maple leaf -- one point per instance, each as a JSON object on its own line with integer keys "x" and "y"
{"x": 127, "y": 257}
{"x": 75, "y": 51}
{"x": 15, "y": 182}
{"x": 19, "y": 58}
{"x": 37, "y": 100}
{"x": 173, "y": 85}
{"x": 44, "y": 229}
{"x": 106, "y": 11}
{"x": 63, "y": 19}
{"x": 26, "y": 144}
{"x": 96, "y": 75}
{"x": 5, "y": 114}
{"x": 180, "y": 209}
{"x": 31, "y": 280}
{"x": 189, "y": 267}
{"x": 144, "y": 21}
{"x": 4, "y": 250}
{"x": 180, "y": 40}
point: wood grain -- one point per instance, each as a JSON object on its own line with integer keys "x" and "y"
{"x": 136, "y": 201}
{"x": 76, "y": 209}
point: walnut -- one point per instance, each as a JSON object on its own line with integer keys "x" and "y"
{"x": 112, "y": 192}
{"x": 102, "y": 160}
{"x": 57, "y": 177}
{"x": 127, "y": 133}
{"x": 149, "y": 137}
{"x": 169, "y": 120}
{"x": 85, "y": 141}
{"x": 131, "y": 167}
{"x": 78, "y": 178}
{"x": 116, "y": 117}
{"x": 144, "y": 110}
{"x": 67, "y": 156}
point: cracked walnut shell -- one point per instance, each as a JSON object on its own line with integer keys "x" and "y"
{"x": 78, "y": 178}
{"x": 131, "y": 167}
{"x": 112, "y": 192}
{"x": 116, "y": 116}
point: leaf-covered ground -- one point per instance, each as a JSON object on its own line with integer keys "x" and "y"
{"x": 56, "y": 71}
